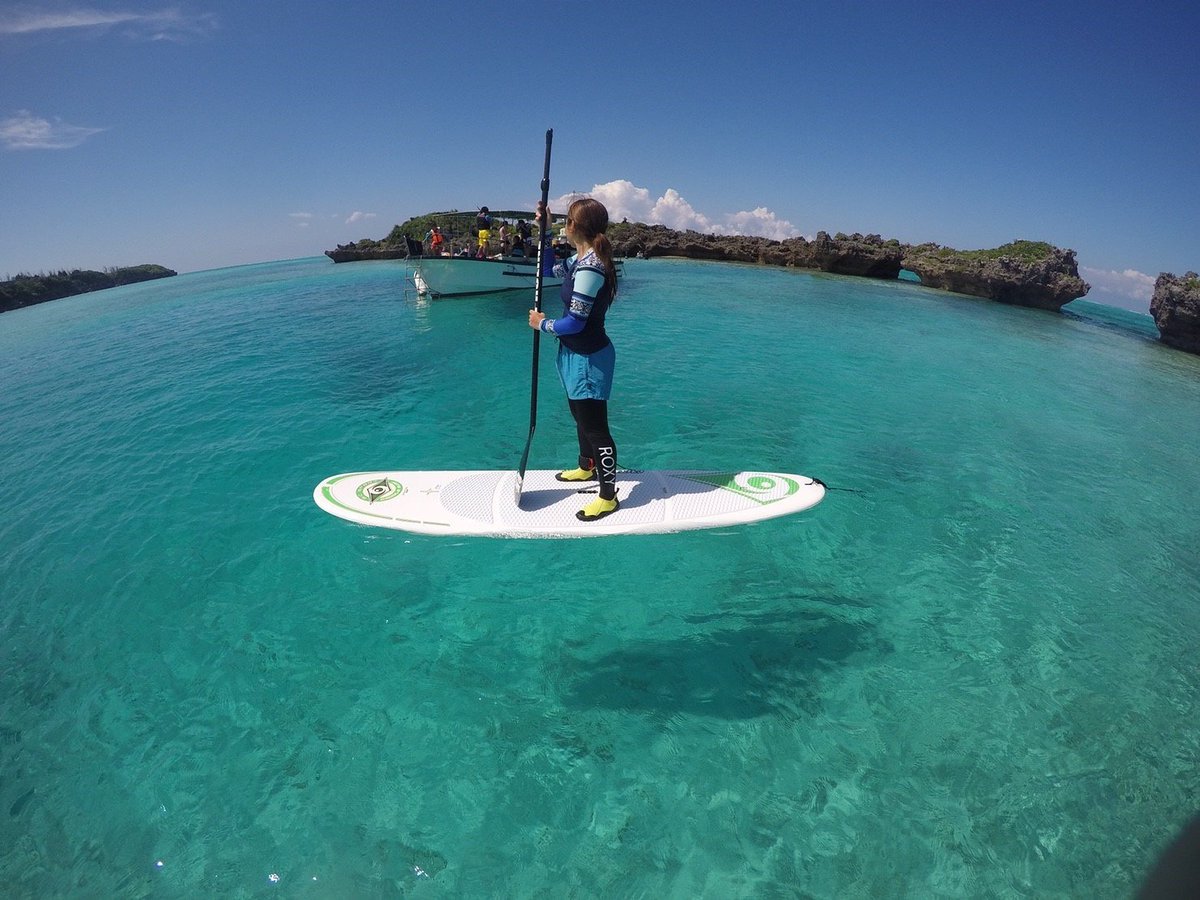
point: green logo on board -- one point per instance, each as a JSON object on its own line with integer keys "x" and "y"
{"x": 379, "y": 489}
{"x": 761, "y": 487}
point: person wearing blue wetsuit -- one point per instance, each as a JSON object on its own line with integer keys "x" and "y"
{"x": 586, "y": 357}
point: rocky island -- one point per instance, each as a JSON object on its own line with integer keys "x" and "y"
{"x": 1175, "y": 306}
{"x": 1025, "y": 273}
{"x": 870, "y": 256}
{"x": 26, "y": 290}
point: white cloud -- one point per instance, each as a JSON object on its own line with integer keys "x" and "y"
{"x": 626, "y": 200}
{"x": 673, "y": 211}
{"x": 358, "y": 216}
{"x": 25, "y": 131}
{"x": 763, "y": 223}
{"x": 170, "y": 24}
{"x": 623, "y": 199}
{"x": 29, "y": 22}
{"x": 302, "y": 219}
{"x": 1131, "y": 284}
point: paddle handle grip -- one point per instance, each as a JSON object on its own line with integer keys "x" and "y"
{"x": 544, "y": 224}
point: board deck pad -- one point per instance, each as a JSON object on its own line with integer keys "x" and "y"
{"x": 484, "y": 503}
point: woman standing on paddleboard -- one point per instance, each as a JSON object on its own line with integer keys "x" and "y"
{"x": 586, "y": 356}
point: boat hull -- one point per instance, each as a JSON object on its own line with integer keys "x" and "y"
{"x": 461, "y": 276}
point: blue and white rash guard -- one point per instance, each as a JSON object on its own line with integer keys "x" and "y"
{"x": 585, "y": 301}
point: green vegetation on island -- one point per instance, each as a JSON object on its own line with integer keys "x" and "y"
{"x": 1025, "y": 251}
{"x": 26, "y": 290}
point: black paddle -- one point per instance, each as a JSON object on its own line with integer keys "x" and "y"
{"x": 543, "y": 246}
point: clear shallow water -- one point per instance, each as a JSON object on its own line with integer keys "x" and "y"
{"x": 977, "y": 677}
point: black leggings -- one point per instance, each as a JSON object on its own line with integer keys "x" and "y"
{"x": 597, "y": 450}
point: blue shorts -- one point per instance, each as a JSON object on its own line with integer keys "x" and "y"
{"x": 587, "y": 376}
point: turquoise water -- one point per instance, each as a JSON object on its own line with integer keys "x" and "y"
{"x": 970, "y": 673}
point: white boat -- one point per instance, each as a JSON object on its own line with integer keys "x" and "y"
{"x": 461, "y": 276}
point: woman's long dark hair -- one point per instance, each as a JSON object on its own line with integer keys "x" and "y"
{"x": 590, "y": 218}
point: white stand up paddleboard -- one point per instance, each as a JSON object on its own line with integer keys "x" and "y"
{"x": 485, "y": 503}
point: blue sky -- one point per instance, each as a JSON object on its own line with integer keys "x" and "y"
{"x": 204, "y": 133}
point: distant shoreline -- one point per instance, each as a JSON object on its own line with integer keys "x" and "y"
{"x": 29, "y": 290}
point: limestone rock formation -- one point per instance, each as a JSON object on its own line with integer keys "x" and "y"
{"x": 869, "y": 256}
{"x": 1175, "y": 306}
{"x": 1023, "y": 273}
{"x": 366, "y": 250}
{"x": 1027, "y": 273}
